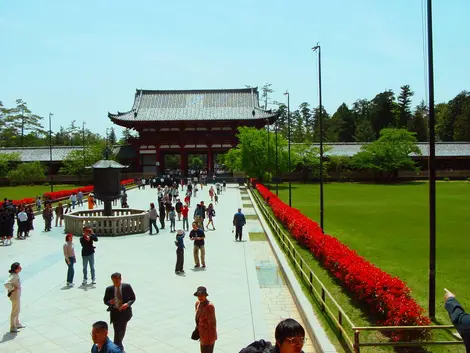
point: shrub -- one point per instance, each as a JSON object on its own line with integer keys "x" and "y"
{"x": 468, "y": 179}
{"x": 46, "y": 184}
{"x": 386, "y": 296}
{"x": 27, "y": 173}
{"x": 446, "y": 179}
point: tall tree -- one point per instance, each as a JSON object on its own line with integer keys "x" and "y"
{"x": 383, "y": 111}
{"x": 297, "y": 127}
{"x": 418, "y": 122}
{"x": 462, "y": 123}
{"x": 112, "y": 137}
{"x": 342, "y": 125}
{"x": 316, "y": 123}
{"x": 404, "y": 106}
{"x": 266, "y": 90}
{"x": 307, "y": 117}
{"x": 20, "y": 120}
{"x": 364, "y": 132}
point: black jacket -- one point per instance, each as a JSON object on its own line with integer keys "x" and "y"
{"x": 460, "y": 319}
{"x": 261, "y": 346}
{"x": 128, "y": 296}
{"x": 87, "y": 245}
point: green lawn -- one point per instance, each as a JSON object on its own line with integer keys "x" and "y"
{"x": 20, "y": 192}
{"x": 388, "y": 225}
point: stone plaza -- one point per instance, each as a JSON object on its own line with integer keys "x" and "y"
{"x": 242, "y": 279}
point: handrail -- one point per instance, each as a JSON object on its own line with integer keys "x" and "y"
{"x": 311, "y": 279}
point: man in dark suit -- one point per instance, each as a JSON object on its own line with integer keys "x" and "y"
{"x": 119, "y": 298}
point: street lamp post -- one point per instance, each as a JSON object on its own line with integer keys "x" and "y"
{"x": 277, "y": 162}
{"x": 83, "y": 144}
{"x": 317, "y": 48}
{"x": 50, "y": 151}
{"x": 288, "y": 147}
{"x": 269, "y": 160}
{"x": 432, "y": 171}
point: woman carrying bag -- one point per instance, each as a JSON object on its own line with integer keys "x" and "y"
{"x": 13, "y": 286}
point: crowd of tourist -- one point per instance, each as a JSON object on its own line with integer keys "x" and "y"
{"x": 119, "y": 297}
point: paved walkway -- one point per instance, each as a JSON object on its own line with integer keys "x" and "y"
{"x": 59, "y": 319}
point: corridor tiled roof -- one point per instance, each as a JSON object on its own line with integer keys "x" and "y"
{"x": 183, "y": 105}
{"x": 443, "y": 149}
{"x": 42, "y": 154}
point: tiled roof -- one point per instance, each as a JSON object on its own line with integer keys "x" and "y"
{"x": 31, "y": 154}
{"x": 229, "y": 104}
{"x": 443, "y": 149}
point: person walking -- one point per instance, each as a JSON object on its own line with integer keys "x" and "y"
{"x": 88, "y": 254}
{"x": 153, "y": 215}
{"x": 47, "y": 216}
{"x": 210, "y": 215}
{"x": 238, "y": 222}
{"x": 80, "y": 198}
{"x": 162, "y": 215}
{"x": 172, "y": 216}
{"x": 31, "y": 217}
{"x": 178, "y": 207}
{"x": 197, "y": 235}
{"x": 91, "y": 201}
{"x": 13, "y": 286}
{"x": 101, "y": 341}
{"x": 119, "y": 298}
{"x": 179, "y": 242}
{"x": 59, "y": 214}
{"x": 184, "y": 213}
{"x": 211, "y": 193}
{"x": 70, "y": 259}
{"x": 206, "y": 323}
{"x": 73, "y": 199}
{"x": 22, "y": 223}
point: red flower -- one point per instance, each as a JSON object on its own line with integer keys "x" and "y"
{"x": 387, "y": 297}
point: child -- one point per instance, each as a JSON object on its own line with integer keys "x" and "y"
{"x": 216, "y": 199}
{"x": 187, "y": 200}
{"x": 184, "y": 213}
{"x": 38, "y": 203}
{"x": 172, "y": 216}
{"x": 179, "y": 242}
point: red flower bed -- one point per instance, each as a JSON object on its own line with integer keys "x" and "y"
{"x": 25, "y": 201}
{"x": 55, "y": 195}
{"x": 387, "y": 297}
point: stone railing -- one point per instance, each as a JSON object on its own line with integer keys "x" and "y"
{"x": 124, "y": 221}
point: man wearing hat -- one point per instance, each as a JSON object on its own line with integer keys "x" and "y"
{"x": 206, "y": 324}
{"x": 179, "y": 242}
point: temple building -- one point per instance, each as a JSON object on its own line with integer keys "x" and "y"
{"x": 184, "y": 122}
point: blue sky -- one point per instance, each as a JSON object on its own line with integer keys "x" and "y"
{"x": 82, "y": 59}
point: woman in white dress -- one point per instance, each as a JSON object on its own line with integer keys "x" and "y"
{"x": 13, "y": 286}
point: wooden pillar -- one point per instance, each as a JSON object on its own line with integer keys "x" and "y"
{"x": 158, "y": 161}
{"x": 210, "y": 162}
{"x": 183, "y": 162}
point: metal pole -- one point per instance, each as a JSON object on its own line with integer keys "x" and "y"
{"x": 50, "y": 151}
{"x": 288, "y": 148}
{"x": 269, "y": 160}
{"x": 432, "y": 172}
{"x": 83, "y": 144}
{"x": 22, "y": 127}
{"x": 277, "y": 163}
{"x": 318, "y": 47}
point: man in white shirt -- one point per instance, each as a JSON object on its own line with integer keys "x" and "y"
{"x": 22, "y": 224}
